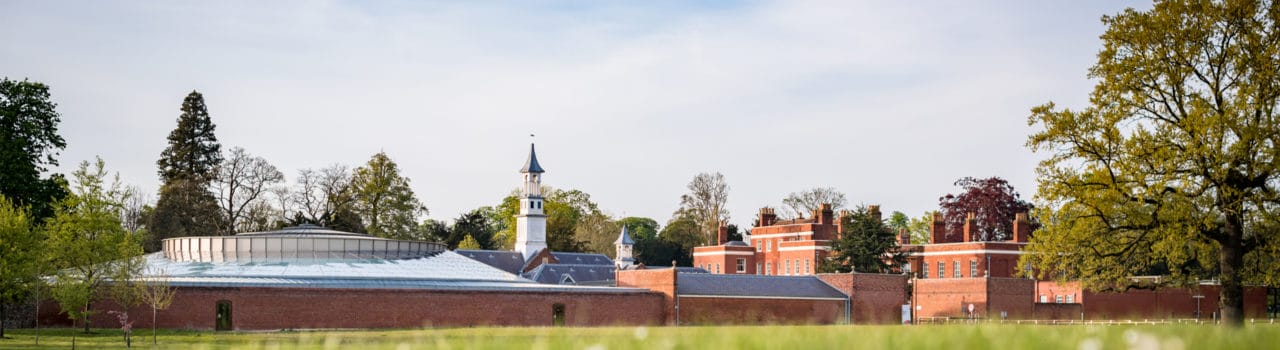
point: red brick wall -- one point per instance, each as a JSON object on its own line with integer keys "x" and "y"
{"x": 703, "y": 310}
{"x": 950, "y": 297}
{"x": 283, "y": 308}
{"x": 1166, "y": 303}
{"x": 1054, "y": 311}
{"x": 876, "y": 298}
{"x": 661, "y": 281}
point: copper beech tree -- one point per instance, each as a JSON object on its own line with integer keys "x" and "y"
{"x": 993, "y": 203}
{"x": 1172, "y": 167}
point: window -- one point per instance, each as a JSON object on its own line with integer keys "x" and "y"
{"x": 955, "y": 267}
{"x": 758, "y": 270}
{"x": 942, "y": 270}
{"x": 1071, "y": 298}
{"x": 742, "y": 265}
{"x": 768, "y": 268}
{"x": 806, "y": 267}
{"x": 1044, "y": 298}
{"x": 758, "y": 247}
{"x": 788, "y": 273}
{"x": 973, "y": 268}
{"x": 717, "y": 267}
{"x": 906, "y": 268}
{"x": 1057, "y": 299}
{"x": 924, "y": 270}
{"x": 768, "y": 246}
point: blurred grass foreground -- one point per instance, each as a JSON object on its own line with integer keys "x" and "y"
{"x": 1039, "y": 337}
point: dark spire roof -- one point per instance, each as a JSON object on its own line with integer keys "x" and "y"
{"x": 531, "y": 165}
{"x": 625, "y": 237}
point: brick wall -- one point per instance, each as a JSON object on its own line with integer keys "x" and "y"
{"x": 720, "y": 310}
{"x": 950, "y": 297}
{"x": 876, "y": 298}
{"x": 1055, "y": 311}
{"x": 1167, "y": 303}
{"x": 662, "y": 281}
{"x": 285, "y": 308}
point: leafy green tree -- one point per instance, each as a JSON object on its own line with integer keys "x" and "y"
{"x": 661, "y": 252}
{"x": 1173, "y": 162}
{"x": 898, "y": 221}
{"x": 564, "y": 210}
{"x": 920, "y": 227}
{"x": 29, "y": 143}
{"x": 683, "y": 229}
{"x": 473, "y": 225}
{"x": 640, "y": 228}
{"x": 384, "y": 200}
{"x": 434, "y": 230}
{"x": 598, "y": 231}
{"x": 193, "y": 152}
{"x": 86, "y": 242}
{"x": 469, "y": 242}
{"x": 20, "y": 246}
{"x": 867, "y": 245}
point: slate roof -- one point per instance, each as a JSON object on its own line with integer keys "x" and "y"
{"x": 808, "y": 287}
{"x": 583, "y": 258}
{"x": 581, "y": 274}
{"x": 736, "y": 243}
{"x": 531, "y": 165}
{"x": 509, "y": 261}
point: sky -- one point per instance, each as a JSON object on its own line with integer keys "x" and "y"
{"x": 889, "y": 102}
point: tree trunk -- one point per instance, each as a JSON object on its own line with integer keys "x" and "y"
{"x": 153, "y": 326}
{"x": 86, "y": 318}
{"x": 1230, "y": 261}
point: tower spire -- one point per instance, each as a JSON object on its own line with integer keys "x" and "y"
{"x": 531, "y": 222}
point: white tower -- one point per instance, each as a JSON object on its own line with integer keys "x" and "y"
{"x": 623, "y": 247}
{"x": 531, "y": 223}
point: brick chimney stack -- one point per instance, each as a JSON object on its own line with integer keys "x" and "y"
{"x": 1021, "y": 228}
{"x": 970, "y": 228}
{"x": 874, "y": 211}
{"x": 722, "y": 233}
{"x": 767, "y": 217}
{"x": 840, "y": 217}
{"x": 903, "y": 237}
{"x": 825, "y": 215}
{"x": 938, "y": 231}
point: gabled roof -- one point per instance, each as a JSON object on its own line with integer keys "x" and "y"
{"x": 509, "y": 261}
{"x": 582, "y": 258}
{"x": 756, "y": 286}
{"x": 531, "y": 165}
{"x": 579, "y": 273}
{"x": 625, "y": 237}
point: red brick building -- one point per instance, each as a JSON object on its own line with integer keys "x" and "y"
{"x": 783, "y": 248}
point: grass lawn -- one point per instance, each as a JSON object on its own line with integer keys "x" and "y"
{"x": 721, "y": 337}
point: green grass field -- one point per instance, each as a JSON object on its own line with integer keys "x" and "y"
{"x": 745, "y": 337}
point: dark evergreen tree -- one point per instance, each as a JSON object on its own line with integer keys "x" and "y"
{"x": 867, "y": 245}
{"x": 29, "y": 143}
{"x": 186, "y": 206}
{"x": 193, "y": 150}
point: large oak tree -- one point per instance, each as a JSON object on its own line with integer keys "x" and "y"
{"x": 1173, "y": 164}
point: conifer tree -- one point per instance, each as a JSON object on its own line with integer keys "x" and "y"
{"x": 193, "y": 152}
{"x": 186, "y": 207}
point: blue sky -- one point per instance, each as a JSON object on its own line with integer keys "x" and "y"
{"x": 889, "y": 102}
